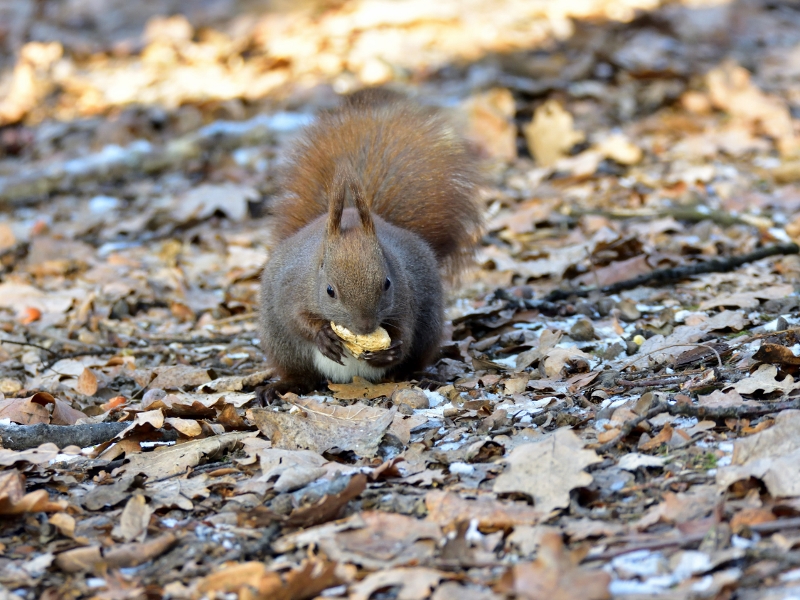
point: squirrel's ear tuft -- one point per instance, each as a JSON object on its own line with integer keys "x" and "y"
{"x": 360, "y": 200}
{"x": 337, "y": 193}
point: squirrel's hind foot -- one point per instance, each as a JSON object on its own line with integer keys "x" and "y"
{"x": 272, "y": 392}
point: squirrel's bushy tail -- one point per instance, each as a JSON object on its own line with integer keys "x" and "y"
{"x": 413, "y": 168}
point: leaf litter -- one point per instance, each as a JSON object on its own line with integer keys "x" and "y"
{"x": 574, "y": 440}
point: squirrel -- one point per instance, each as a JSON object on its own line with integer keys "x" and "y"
{"x": 380, "y": 260}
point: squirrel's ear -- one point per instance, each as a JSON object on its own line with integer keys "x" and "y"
{"x": 337, "y": 192}
{"x": 360, "y": 200}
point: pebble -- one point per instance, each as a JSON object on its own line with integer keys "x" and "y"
{"x": 414, "y": 398}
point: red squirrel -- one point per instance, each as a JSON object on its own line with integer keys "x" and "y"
{"x": 378, "y": 207}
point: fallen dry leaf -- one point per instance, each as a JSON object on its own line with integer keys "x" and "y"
{"x": 777, "y": 354}
{"x": 681, "y": 507}
{"x": 361, "y": 389}
{"x": 764, "y": 379}
{"x": 26, "y": 411}
{"x": 187, "y": 427}
{"x": 171, "y": 460}
{"x": 748, "y": 299}
{"x": 87, "y": 383}
{"x": 665, "y": 436}
{"x": 19, "y": 297}
{"x": 561, "y": 362}
{"x": 177, "y": 493}
{"x": 291, "y": 469}
{"x": 551, "y": 134}
{"x": 7, "y": 237}
{"x": 14, "y": 500}
{"x": 555, "y": 575}
{"x": 177, "y": 377}
{"x": 547, "y": 342}
{"x": 719, "y": 399}
{"x": 547, "y": 470}
{"x": 120, "y": 556}
{"x": 584, "y": 528}
{"x": 373, "y": 539}
{"x": 32, "y": 410}
{"x": 412, "y": 583}
{"x": 134, "y": 520}
{"x": 490, "y": 123}
{"x": 447, "y": 508}
{"x": 254, "y": 580}
{"x": 772, "y": 455}
{"x": 65, "y": 523}
{"x": 731, "y": 89}
{"x": 403, "y": 424}
{"x": 42, "y": 454}
{"x": 748, "y": 517}
{"x": 619, "y": 148}
{"x": 450, "y": 590}
{"x": 320, "y": 427}
{"x": 329, "y": 506}
{"x": 526, "y": 539}
{"x": 235, "y": 578}
{"x": 204, "y": 200}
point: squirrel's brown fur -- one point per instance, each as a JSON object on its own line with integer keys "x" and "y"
{"x": 378, "y": 203}
{"x": 416, "y": 172}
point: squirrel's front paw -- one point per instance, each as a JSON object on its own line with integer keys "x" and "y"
{"x": 384, "y": 358}
{"x": 329, "y": 344}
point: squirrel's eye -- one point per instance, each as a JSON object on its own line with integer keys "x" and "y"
{"x": 331, "y": 293}
{"x": 386, "y": 284}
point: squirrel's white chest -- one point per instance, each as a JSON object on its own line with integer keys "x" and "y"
{"x": 344, "y": 373}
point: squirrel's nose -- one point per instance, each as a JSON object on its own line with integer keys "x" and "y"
{"x": 365, "y": 324}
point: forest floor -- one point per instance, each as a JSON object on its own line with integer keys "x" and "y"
{"x": 619, "y": 415}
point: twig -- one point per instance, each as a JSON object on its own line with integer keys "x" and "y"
{"x": 223, "y": 339}
{"x": 629, "y": 426}
{"x": 235, "y": 318}
{"x": 773, "y": 526}
{"x": 659, "y": 544}
{"x": 776, "y": 561}
{"x": 654, "y": 381}
{"x": 652, "y": 543}
{"x": 22, "y": 437}
{"x": 664, "y": 276}
{"x": 662, "y": 348}
{"x": 67, "y": 355}
{"x": 6, "y": 341}
{"x": 593, "y": 268}
{"x": 700, "y": 412}
{"x": 157, "y": 347}
{"x": 731, "y": 412}
{"x": 693, "y": 213}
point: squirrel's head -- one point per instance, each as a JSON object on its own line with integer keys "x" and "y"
{"x": 355, "y": 280}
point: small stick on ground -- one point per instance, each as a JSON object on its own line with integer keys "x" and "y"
{"x": 664, "y": 276}
{"x": 29, "y": 344}
{"x": 701, "y": 412}
{"x": 654, "y": 381}
{"x": 629, "y": 426}
{"x": 22, "y": 437}
{"x": 639, "y": 357}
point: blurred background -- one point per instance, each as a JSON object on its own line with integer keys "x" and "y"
{"x": 156, "y": 65}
